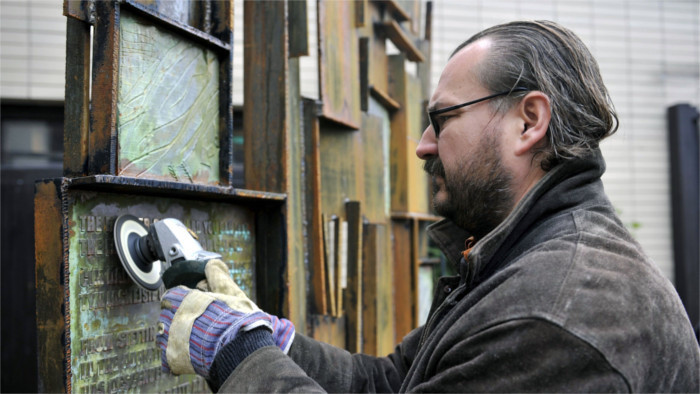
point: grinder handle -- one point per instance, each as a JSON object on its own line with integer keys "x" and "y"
{"x": 187, "y": 273}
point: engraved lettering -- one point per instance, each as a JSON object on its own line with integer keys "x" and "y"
{"x": 120, "y": 340}
{"x": 115, "y": 297}
{"x": 91, "y": 223}
{"x": 83, "y": 247}
{"x": 99, "y": 246}
{"x": 99, "y": 223}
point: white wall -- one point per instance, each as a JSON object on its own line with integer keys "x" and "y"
{"x": 32, "y": 49}
{"x": 648, "y": 52}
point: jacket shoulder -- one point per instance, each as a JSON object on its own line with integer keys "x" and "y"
{"x": 594, "y": 281}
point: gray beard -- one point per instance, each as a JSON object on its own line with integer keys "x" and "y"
{"x": 479, "y": 197}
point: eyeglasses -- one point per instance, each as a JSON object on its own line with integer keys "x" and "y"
{"x": 433, "y": 114}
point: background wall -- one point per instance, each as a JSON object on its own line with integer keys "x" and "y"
{"x": 32, "y": 50}
{"x": 648, "y": 50}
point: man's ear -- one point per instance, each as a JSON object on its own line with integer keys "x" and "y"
{"x": 535, "y": 113}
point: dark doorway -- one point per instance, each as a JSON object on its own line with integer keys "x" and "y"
{"x": 32, "y": 148}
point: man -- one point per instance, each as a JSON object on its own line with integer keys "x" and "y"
{"x": 553, "y": 294}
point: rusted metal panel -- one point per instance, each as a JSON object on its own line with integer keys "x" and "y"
{"x": 151, "y": 187}
{"x": 340, "y": 179}
{"x": 312, "y": 207}
{"x": 271, "y": 264}
{"x": 418, "y": 182}
{"x": 399, "y": 136}
{"x": 328, "y": 329}
{"x": 386, "y": 338}
{"x": 404, "y": 277}
{"x": 378, "y": 60}
{"x": 105, "y": 68}
{"x": 364, "y": 72}
{"x": 413, "y": 9}
{"x": 76, "y": 125}
{"x": 221, "y": 15}
{"x": 161, "y": 105}
{"x": 82, "y": 10}
{"x": 296, "y": 303}
{"x": 298, "y": 29}
{"x": 107, "y": 322}
{"x": 338, "y": 65}
{"x": 375, "y": 151}
{"x": 191, "y": 19}
{"x": 184, "y": 12}
{"x": 371, "y": 244}
{"x": 50, "y": 319}
{"x": 394, "y": 9}
{"x": 410, "y": 247}
{"x": 265, "y": 86}
{"x": 384, "y": 99}
{"x": 361, "y": 13}
{"x": 353, "y": 293}
{"x": 409, "y": 184}
{"x": 407, "y": 12}
{"x": 377, "y": 289}
{"x": 222, "y": 28}
{"x": 402, "y": 40}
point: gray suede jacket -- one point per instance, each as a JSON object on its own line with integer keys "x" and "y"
{"x": 559, "y": 297}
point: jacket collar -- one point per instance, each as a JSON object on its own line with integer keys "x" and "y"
{"x": 570, "y": 185}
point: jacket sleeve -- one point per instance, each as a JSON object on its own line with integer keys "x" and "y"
{"x": 314, "y": 366}
{"x": 519, "y": 355}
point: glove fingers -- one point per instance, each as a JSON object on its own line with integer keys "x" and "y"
{"x": 203, "y": 285}
{"x": 219, "y": 279}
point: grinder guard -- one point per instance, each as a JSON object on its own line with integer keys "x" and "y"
{"x": 145, "y": 252}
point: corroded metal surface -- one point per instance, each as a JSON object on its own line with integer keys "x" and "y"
{"x": 107, "y": 323}
{"x": 265, "y": 106}
{"x": 129, "y": 36}
{"x": 338, "y": 66}
{"x": 113, "y": 321}
{"x": 168, "y": 104}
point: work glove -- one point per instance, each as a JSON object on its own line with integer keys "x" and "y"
{"x": 195, "y": 324}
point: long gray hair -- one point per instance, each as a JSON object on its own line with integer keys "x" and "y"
{"x": 544, "y": 56}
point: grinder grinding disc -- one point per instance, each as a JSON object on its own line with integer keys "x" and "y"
{"x": 128, "y": 230}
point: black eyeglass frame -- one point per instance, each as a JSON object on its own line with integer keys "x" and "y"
{"x": 436, "y": 127}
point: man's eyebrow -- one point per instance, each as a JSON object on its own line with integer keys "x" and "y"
{"x": 435, "y": 106}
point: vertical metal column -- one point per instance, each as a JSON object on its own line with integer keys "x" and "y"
{"x": 685, "y": 201}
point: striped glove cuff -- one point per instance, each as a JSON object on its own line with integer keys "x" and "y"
{"x": 212, "y": 329}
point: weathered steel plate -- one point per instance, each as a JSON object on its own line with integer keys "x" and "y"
{"x": 168, "y": 105}
{"x": 109, "y": 322}
{"x": 113, "y": 321}
{"x": 339, "y": 67}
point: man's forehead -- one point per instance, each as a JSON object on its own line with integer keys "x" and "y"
{"x": 458, "y": 79}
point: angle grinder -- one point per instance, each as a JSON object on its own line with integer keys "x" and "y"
{"x": 164, "y": 253}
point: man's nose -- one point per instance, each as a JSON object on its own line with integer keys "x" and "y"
{"x": 427, "y": 146}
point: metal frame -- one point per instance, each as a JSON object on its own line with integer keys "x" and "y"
{"x": 56, "y": 244}
{"x": 91, "y": 135}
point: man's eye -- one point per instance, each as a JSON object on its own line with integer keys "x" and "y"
{"x": 442, "y": 119}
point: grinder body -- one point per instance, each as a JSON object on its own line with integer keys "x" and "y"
{"x": 164, "y": 253}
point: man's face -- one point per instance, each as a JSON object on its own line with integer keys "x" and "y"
{"x": 471, "y": 185}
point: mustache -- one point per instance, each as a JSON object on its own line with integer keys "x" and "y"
{"x": 433, "y": 166}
